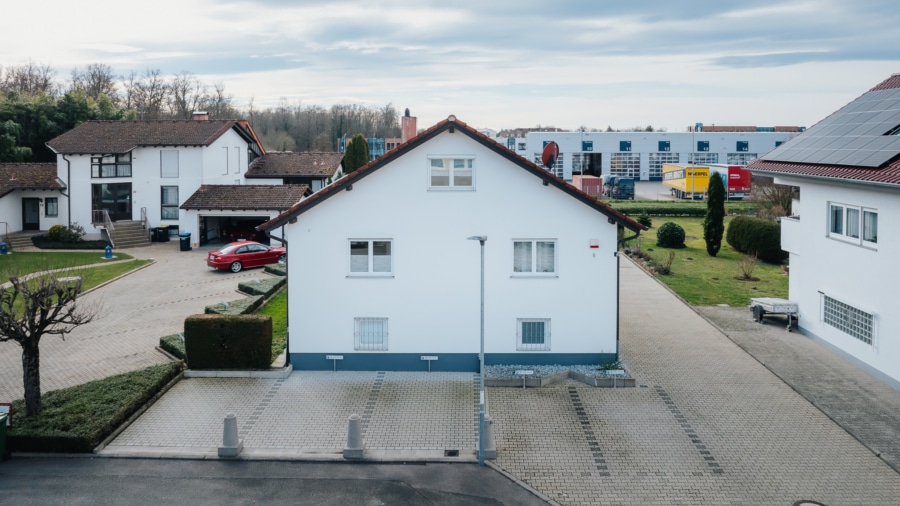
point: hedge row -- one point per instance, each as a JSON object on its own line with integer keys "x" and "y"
{"x": 228, "y": 342}
{"x": 44, "y": 242}
{"x": 755, "y": 236}
{"x": 173, "y": 345}
{"x": 266, "y": 287}
{"x": 236, "y": 307}
{"x": 683, "y": 209}
{"x": 77, "y": 419}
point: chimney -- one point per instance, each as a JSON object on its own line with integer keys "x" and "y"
{"x": 407, "y": 127}
{"x": 200, "y": 116}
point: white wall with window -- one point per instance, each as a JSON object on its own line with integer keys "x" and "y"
{"x": 843, "y": 269}
{"x": 395, "y": 248}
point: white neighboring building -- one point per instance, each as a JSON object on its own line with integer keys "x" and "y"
{"x": 30, "y": 194}
{"x": 844, "y": 272}
{"x": 382, "y": 273}
{"x": 641, "y": 155}
{"x": 145, "y": 170}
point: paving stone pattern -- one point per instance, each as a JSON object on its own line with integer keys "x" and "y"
{"x": 308, "y": 412}
{"x": 135, "y": 312}
{"x": 702, "y": 406}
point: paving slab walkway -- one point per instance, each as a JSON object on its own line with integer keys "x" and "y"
{"x": 708, "y": 424}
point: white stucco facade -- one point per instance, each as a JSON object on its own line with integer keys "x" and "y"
{"x": 431, "y": 297}
{"x": 852, "y": 272}
{"x": 223, "y": 162}
{"x": 11, "y": 208}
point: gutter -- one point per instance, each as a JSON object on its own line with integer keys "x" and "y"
{"x": 287, "y": 297}
{"x": 829, "y": 179}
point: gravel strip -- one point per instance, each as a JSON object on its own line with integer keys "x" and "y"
{"x": 509, "y": 371}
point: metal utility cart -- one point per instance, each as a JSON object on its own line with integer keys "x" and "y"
{"x": 762, "y": 306}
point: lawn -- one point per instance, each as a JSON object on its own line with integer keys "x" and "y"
{"x": 277, "y": 309}
{"x": 705, "y": 281}
{"x": 33, "y": 261}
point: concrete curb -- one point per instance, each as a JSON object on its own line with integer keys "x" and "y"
{"x": 280, "y": 373}
{"x": 542, "y": 381}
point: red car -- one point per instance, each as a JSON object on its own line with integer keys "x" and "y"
{"x": 238, "y": 255}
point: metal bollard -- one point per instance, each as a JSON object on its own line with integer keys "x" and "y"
{"x": 355, "y": 446}
{"x": 490, "y": 447}
{"x": 231, "y": 445}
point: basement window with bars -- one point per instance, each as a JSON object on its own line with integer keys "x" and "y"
{"x": 848, "y": 319}
{"x": 370, "y": 334}
{"x": 533, "y": 334}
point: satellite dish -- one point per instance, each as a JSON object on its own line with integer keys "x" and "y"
{"x": 551, "y": 153}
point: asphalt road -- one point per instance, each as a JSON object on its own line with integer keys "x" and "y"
{"x": 98, "y": 481}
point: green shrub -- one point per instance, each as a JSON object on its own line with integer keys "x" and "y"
{"x": 670, "y": 235}
{"x": 173, "y": 345}
{"x": 77, "y": 419}
{"x": 223, "y": 342}
{"x": 55, "y": 233}
{"x": 644, "y": 219}
{"x": 754, "y": 236}
{"x": 265, "y": 287}
{"x": 236, "y": 307}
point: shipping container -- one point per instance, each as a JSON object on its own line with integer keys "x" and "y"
{"x": 686, "y": 181}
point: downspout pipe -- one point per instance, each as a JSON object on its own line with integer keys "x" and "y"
{"x": 287, "y": 297}
{"x": 69, "y": 188}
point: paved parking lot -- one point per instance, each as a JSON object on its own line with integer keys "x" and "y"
{"x": 136, "y": 311}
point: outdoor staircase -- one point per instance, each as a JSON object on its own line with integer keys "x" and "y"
{"x": 17, "y": 241}
{"x": 129, "y": 234}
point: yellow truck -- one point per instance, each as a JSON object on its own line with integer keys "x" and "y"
{"x": 686, "y": 181}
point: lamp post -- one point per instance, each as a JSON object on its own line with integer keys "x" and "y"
{"x": 481, "y": 239}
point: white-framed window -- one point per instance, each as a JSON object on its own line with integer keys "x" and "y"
{"x": 371, "y": 257}
{"x": 451, "y": 173}
{"x": 169, "y": 202}
{"x": 168, "y": 163}
{"x": 534, "y": 257}
{"x": 533, "y": 334}
{"x": 370, "y": 334}
{"x": 848, "y": 319}
{"x": 853, "y": 224}
{"x": 52, "y": 206}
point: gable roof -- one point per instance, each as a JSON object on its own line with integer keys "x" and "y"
{"x": 306, "y": 164}
{"x": 246, "y": 197}
{"x": 114, "y": 137}
{"x": 452, "y": 125}
{"x": 858, "y": 142}
{"x": 28, "y": 176}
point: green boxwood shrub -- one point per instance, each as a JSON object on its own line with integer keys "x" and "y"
{"x": 173, "y": 345}
{"x": 670, "y": 235}
{"x": 754, "y": 236}
{"x": 228, "y": 342}
{"x": 265, "y": 287}
{"x": 236, "y": 307}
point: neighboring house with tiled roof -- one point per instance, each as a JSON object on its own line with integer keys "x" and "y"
{"x": 29, "y": 196}
{"x": 396, "y": 277}
{"x": 315, "y": 169}
{"x": 215, "y": 206}
{"x": 843, "y": 236}
{"x": 146, "y": 170}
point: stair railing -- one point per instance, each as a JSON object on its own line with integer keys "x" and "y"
{"x": 100, "y": 218}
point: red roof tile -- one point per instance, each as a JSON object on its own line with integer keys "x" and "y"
{"x": 99, "y": 137}
{"x": 28, "y": 176}
{"x": 306, "y": 164}
{"x": 245, "y": 197}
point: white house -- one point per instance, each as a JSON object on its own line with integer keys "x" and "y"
{"x": 145, "y": 170}
{"x": 382, "y": 270}
{"x": 843, "y": 273}
{"x": 29, "y": 197}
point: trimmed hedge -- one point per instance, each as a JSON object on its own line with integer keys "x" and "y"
{"x": 173, "y": 345}
{"x": 278, "y": 269}
{"x": 77, "y": 419}
{"x": 754, "y": 236}
{"x": 688, "y": 209}
{"x": 265, "y": 287}
{"x": 236, "y": 307}
{"x": 44, "y": 242}
{"x": 228, "y": 342}
{"x": 670, "y": 235}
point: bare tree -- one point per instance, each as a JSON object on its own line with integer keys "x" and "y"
{"x": 30, "y": 78}
{"x": 34, "y": 306}
{"x": 219, "y": 102}
{"x": 150, "y": 93}
{"x": 776, "y": 199}
{"x": 95, "y": 79}
{"x": 187, "y": 94}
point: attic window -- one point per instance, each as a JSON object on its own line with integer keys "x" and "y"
{"x": 451, "y": 173}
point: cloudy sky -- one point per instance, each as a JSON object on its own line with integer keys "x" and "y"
{"x": 494, "y": 64}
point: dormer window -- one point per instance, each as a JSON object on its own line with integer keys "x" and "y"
{"x": 451, "y": 173}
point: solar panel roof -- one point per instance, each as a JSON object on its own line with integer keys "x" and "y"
{"x": 854, "y": 135}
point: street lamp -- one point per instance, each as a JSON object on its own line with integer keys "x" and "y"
{"x": 481, "y": 239}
